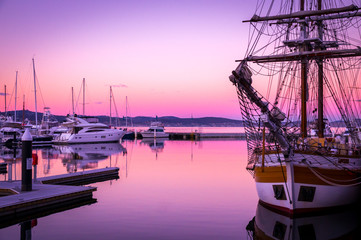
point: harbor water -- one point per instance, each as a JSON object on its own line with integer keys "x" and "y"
{"x": 166, "y": 190}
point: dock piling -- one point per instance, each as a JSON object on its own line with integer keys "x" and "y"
{"x": 26, "y": 161}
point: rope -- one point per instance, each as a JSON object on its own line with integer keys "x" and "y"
{"x": 329, "y": 182}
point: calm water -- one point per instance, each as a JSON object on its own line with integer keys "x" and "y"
{"x": 166, "y": 190}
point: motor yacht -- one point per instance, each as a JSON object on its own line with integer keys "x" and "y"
{"x": 83, "y": 131}
{"x": 156, "y": 130}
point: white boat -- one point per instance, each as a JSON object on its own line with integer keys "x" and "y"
{"x": 156, "y": 130}
{"x": 295, "y": 170}
{"x": 82, "y": 131}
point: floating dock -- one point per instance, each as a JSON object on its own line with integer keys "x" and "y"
{"x": 47, "y": 196}
{"x": 82, "y": 178}
{"x": 18, "y": 204}
{"x": 199, "y": 136}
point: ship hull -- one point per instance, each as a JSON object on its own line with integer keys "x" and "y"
{"x": 297, "y": 187}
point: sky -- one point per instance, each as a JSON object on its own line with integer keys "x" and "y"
{"x": 170, "y": 58}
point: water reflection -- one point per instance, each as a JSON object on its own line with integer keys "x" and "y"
{"x": 62, "y": 159}
{"x": 194, "y": 190}
{"x": 156, "y": 145}
{"x": 87, "y": 156}
{"x": 29, "y": 221}
{"x": 268, "y": 224}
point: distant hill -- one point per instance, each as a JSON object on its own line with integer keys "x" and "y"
{"x": 139, "y": 121}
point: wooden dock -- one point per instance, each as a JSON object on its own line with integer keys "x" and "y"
{"x": 48, "y": 196}
{"x": 18, "y": 204}
{"x": 82, "y": 178}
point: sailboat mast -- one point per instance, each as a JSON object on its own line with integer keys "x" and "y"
{"x": 36, "y": 107}
{"x": 5, "y": 99}
{"x": 304, "y": 65}
{"x": 320, "y": 124}
{"x": 110, "y": 106}
{"x": 72, "y": 99}
{"x": 16, "y": 93}
{"x": 126, "y": 111}
{"x": 23, "y": 109}
{"x": 83, "y": 96}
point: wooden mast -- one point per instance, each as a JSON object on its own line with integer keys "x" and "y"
{"x": 320, "y": 123}
{"x": 304, "y": 90}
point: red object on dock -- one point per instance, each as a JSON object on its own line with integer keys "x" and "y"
{"x": 35, "y": 159}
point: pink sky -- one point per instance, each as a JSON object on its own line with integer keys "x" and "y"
{"x": 171, "y": 57}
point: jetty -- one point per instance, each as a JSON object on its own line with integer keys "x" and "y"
{"x": 15, "y": 203}
{"x": 200, "y": 136}
{"x": 49, "y": 195}
{"x": 82, "y": 178}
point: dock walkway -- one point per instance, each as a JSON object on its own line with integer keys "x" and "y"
{"x": 40, "y": 198}
{"x": 200, "y": 136}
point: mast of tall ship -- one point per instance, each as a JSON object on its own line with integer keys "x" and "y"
{"x": 304, "y": 66}
{"x": 320, "y": 76}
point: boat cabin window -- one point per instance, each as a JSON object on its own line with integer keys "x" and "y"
{"x": 95, "y": 130}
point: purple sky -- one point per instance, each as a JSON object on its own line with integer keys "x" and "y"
{"x": 168, "y": 57}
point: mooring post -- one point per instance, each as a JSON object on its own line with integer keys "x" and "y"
{"x": 25, "y": 230}
{"x": 27, "y": 160}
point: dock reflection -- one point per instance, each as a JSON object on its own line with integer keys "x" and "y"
{"x": 30, "y": 220}
{"x": 267, "y": 224}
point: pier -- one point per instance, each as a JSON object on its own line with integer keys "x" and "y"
{"x": 43, "y": 197}
{"x": 200, "y": 136}
{"x": 81, "y": 178}
{"x": 47, "y": 196}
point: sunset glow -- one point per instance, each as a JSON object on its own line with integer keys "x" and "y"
{"x": 168, "y": 57}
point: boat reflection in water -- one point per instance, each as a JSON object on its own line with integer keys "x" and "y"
{"x": 268, "y": 224}
{"x": 155, "y": 144}
{"x": 86, "y": 156}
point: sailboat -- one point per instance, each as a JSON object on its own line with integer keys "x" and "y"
{"x": 312, "y": 51}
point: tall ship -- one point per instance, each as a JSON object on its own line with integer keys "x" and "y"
{"x": 299, "y": 95}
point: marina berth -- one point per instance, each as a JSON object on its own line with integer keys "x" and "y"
{"x": 298, "y": 163}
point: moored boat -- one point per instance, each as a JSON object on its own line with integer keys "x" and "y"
{"x": 156, "y": 130}
{"x": 297, "y": 163}
{"x": 83, "y": 131}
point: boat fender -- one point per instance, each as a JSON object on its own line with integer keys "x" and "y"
{"x": 35, "y": 159}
